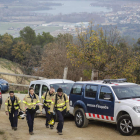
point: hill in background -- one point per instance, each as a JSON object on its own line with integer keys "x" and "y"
{"x": 7, "y": 66}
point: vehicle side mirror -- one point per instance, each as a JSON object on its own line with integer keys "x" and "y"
{"x": 108, "y": 97}
{"x": 111, "y": 99}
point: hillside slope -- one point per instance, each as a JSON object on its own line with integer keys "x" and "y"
{"x": 7, "y": 66}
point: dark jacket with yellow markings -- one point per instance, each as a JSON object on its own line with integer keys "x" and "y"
{"x": 16, "y": 104}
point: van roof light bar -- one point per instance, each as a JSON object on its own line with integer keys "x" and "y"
{"x": 122, "y": 80}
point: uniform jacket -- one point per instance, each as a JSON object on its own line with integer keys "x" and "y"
{"x": 31, "y": 103}
{"x": 60, "y": 103}
{"x": 8, "y": 104}
{"x": 47, "y": 99}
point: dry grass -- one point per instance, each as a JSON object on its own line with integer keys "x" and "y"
{"x": 7, "y": 66}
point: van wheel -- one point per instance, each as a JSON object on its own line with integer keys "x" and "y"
{"x": 125, "y": 126}
{"x": 80, "y": 118}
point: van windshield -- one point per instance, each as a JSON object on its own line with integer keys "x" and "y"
{"x": 65, "y": 86}
{"x": 127, "y": 91}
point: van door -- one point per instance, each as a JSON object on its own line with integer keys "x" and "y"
{"x": 32, "y": 85}
{"x": 37, "y": 89}
{"x": 44, "y": 89}
{"x": 89, "y": 97}
{"x": 105, "y": 103}
{"x": 76, "y": 93}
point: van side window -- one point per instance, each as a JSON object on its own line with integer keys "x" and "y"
{"x": 32, "y": 85}
{"x": 105, "y": 94}
{"x": 77, "y": 89}
{"x": 91, "y": 91}
{"x": 44, "y": 89}
{"x": 37, "y": 89}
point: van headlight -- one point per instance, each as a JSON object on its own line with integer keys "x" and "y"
{"x": 137, "y": 109}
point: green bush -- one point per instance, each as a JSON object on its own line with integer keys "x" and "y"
{"x": 24, "y": 92}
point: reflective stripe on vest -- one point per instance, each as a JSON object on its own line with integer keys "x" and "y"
{"x": 67, "y": 101}
{"x": 60, "y": 104}
{"x": 24, "y": 102}
{"x": 42, "y": 97}
{"x": 31, "y": 108}
{"x": 47, "y": 101}
{"x": 62, "y": 108}
{"x": 47, "y": 105}
{"x": 38, "y": 101}
{"x": 17, "y": 108}
{"x": 31, "y": 103}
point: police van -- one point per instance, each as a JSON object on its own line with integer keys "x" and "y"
{"x": 112, "y": 101}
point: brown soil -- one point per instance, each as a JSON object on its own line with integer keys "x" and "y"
{"x": 94, "y": 131}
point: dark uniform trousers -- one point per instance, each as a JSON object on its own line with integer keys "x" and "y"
{"x": 48, "y": 116}
{"x": 30, "y": 119}
{"x": 13, "y": 117}
{"x": 60, "y": 116}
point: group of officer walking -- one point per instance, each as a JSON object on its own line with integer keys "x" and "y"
{"x": 51, "y": 101}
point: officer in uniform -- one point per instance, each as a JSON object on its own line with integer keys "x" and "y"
{"x": 12, "y": 105}
{"x": 62, "y": 106}
{"x": 47, "y": 98}
{"x": 31, "y": 101}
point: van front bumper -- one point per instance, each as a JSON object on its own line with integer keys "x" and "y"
{"x": 136, "y": 120}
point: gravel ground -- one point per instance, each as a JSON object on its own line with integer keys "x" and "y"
{"x": 95, "y": 130}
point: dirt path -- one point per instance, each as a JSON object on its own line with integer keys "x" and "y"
{"x": 94, "y": 131}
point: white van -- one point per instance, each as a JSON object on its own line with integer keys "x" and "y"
{"x": 41, "y": 86}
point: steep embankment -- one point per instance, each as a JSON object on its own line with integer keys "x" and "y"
{"x": 7, "y": 66}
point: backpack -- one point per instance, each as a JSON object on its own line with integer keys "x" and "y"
{"x": 45, "y": 98}
{"x": 56, "y": 100}
{"x": 14, "y": 101}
